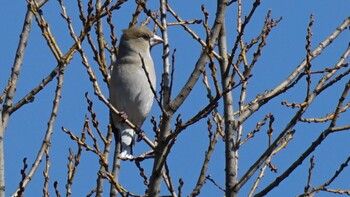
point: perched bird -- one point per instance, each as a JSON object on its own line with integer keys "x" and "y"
{"x": 130, "y": 92}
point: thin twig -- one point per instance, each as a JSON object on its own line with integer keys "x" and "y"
{"x": 324, "y": 186}
{"x": 208, "y": 153}
{"x": 213, "y": 181}
{"x": 254, "y": 106}
{"x": 57, "y": 191}
{"x": 308, "y": 55}
{"x": 150, "y": 83}
{"x": 23, "y": 175}
{"x": 312, "y": 165}
{"x": 312, "y": 147}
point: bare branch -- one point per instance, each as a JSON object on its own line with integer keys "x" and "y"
{"x": 207, "y": 156}
{"x": 181, "y": 183}
{"x": 312, "y": 165}
{"x": 186, "y": 22}
{"x": 324, "y": 186}
{"x": 150, "y": 84}
{"x": 308, "y": 55}
{"x": 185, "y": 91}
{"x": 327, "y": 117}
{"x": 24, "y": 175}
{"x": 44, "y": 149}
{"x": 213, "y": 181}
{"x": 312, "y": 147}
{"x": 55, "y": 185}
{"x": 259, "y": 178}
{"x": 10, "y": 90}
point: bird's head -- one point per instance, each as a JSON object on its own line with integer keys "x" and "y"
{"x": 140, "y": 36}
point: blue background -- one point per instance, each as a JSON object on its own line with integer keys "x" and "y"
{"x": 284, "y": 51}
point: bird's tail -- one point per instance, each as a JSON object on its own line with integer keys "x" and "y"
{"x": 127, "y": 139}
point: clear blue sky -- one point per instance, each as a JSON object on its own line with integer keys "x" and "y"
{"x": 284, "y": 50}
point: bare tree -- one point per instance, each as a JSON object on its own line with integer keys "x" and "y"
{"x": 226, "y": 65}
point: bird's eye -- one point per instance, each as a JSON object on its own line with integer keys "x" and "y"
{"x": 145, "y": 37}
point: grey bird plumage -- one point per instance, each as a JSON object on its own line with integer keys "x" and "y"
{"x": 130, "y": 91}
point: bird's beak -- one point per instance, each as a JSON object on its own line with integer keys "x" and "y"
{"x": 156, "y": 40}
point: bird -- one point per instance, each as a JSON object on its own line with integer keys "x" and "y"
{"x": 130, "y": 91}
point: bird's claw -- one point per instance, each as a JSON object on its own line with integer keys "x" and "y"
{"x": 123, "y": 116}
{"x": 125, "y": 157}
{"x": 140, "y": 136}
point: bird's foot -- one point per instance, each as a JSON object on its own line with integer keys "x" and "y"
{"x": 125, "y": 156}
{"x": 123, "y": 116}
{"x": 148, "y": 154}
{"x": 140, "y": 136}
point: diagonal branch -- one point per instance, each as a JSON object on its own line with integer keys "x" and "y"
{"x": 202, "y": 60}
{"x": 11, "y": 89}
{"x": 312, "y": 147}
{"x": 277, "y": 91}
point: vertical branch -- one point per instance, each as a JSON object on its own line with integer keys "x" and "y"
{"x": 4, "y": 113}
{"x": 243, "y": 56}
{"x": 56, "y": 102}
{"x": 239, "y": 16}
{"x": 55, "y": 185}
{"x": 242, "y": 26}
{"x": 101, "y": 59}
{"x": 49, "y": 131}
{"x": 74, "y": 160}
{"x": 312, "y": 165}
{"x": 167, "y": 180}
{"x": 172, "y": 72}
{"x": 112, "y": 36}
{"x": 46, "y": 142}
{"x": 106, "y": 141}
{"x": 70, "y": 173}
{"x": 116, "y": 160}
{"x": 10, "y": 92}
{"x": 23, "y": 173}
{"x": 162, "y": 148}
{"x": 231, "y": 145}
{"x": 166, "y": 52}
{"x": 46, "y": 173}
{"x": 181, "y": 183}
{"x": 212, "y": 142}
{"x": 308, "y": 55}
